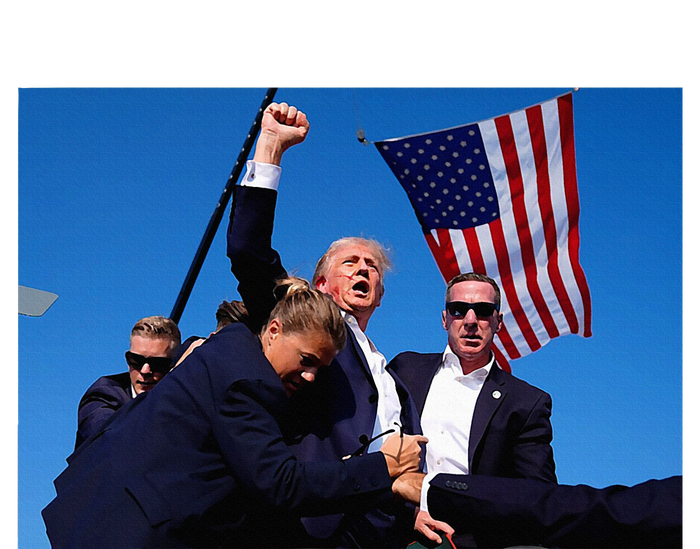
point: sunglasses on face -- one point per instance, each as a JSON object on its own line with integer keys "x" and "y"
{"x": 459, "y": 309}
{"x": 160, "y": 364}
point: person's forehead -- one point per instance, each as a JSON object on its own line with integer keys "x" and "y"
{"x": 470, "y": 290}
{"x": 314, "y": 343}
{"x": 354, "y": 250}
{"x": 150, "y": 343}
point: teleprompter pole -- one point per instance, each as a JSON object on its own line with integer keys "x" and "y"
{"x": 218, "y": 214}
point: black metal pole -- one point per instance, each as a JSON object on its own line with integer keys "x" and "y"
{"x": 218, "y": 214}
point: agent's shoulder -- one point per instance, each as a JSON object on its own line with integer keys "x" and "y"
{"x": 411, "y": 359}
{"x": 523, "y": 386}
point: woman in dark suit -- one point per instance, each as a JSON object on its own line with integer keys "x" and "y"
{"x": 191, "y": 463}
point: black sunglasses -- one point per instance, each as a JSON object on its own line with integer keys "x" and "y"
{"x": 459, "y": 309}
{"x": 160, "y": 364}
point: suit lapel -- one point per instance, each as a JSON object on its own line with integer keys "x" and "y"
{"x": 427, "y": 374}
{"x": 492, "y": 394}
{"x": 360, "y": 355}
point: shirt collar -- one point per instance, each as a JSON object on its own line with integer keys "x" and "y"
{"x": 351, "y": 321}
{"x": 451, "y": 360}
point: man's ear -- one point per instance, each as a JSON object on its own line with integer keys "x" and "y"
{"x": 500, "y": 322}
{"x": 321, "y": 283}
{"x": 444, "y": 320}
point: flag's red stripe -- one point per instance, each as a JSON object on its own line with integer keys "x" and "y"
{"x": 501, "y": 360}
{"x": 508, "y": 284}
{"x": 517, "y": 195}
{"x": 544, "y": 194}
{"x": 566, "y": 128}
{"x": 447, "y": 263}
{"x": 443, "y": 253}
{"x": 474, "y": 250}
{"x": 479, "y": 266}
{"x": 508, "y": 343}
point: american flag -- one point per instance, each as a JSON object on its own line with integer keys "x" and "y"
{"x": 500, "y": 197}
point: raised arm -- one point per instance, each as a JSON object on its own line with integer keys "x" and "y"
{"x": 283, "y": 126}
{"x": 254, "y": 263}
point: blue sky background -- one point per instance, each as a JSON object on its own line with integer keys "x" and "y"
{"x": 116, "y": 187}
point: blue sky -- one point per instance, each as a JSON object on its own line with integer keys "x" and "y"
{"x": 116, "y": 187}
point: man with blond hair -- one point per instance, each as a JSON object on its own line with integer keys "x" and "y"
{"x": 153, "y": 341}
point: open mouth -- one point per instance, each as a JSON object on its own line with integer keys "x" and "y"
{"x": 361, "y": 287}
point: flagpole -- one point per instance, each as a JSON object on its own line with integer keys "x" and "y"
{"x": 218, "y": 214}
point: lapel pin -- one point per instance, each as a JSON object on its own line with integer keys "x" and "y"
{"x": 496, "y": 394}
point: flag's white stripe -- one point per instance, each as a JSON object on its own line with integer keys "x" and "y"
{"x": 550, "y": 119}
{"x": 550, "y": 114}
{"x": 465, "y": 264}
{"x": 555, "y": 171}
{"x": 500, "y": 177}
{"x": 488, "y": 252}
{"x": 461, "y": 253}
{"x": 526, "y": 158}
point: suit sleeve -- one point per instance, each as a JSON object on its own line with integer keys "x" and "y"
{"x": 254, "y": 263}
{"x": 533, "y": 456}
{"x": 98, "y": 405}
{"x": 248, "y": 433}
{"x": 502, "y": 512}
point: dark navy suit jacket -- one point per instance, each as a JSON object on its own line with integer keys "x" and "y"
{"x": 106, "y": 396}
{"x": 100, "y": 401}
{"x": 186, "y": 463}
{"x": 503, "y": 512}
{"x": 510, "y": 434}
{"x": 338, "y": 411}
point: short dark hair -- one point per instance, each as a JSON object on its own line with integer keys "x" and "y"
{"x": 465, "y": 277}
{"x": 230, "y": 312}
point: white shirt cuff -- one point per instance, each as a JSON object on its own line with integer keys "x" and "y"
{"x": 424, "y": 490}
{"x": 261, "y": 175}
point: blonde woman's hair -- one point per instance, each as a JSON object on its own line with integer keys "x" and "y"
{"x": 154, "y": 327}
{"x": 301, "y": 308}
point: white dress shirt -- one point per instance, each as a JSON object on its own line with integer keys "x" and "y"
{"x": 261, "y": 175}
{"x": 388, "y": 404}
{"x": 447, "y": 417}
{"x": 448, "y": 412}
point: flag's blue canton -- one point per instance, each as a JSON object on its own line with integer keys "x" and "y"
{"x": 446, "y": 176}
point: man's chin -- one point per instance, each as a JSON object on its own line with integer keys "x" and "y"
{"x": 145, "y": 387}
{"x": 362, "y": 303}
